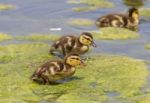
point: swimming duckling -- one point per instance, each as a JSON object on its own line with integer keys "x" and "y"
{"x": 71, "y": 43}
{"x": 130, "y": 20}
{"x": 55, "y": 70}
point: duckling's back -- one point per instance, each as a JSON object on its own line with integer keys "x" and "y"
{"x": 112, "y": 20}
{"x": 52, "y": 71}
{"x": 64, "y": 44}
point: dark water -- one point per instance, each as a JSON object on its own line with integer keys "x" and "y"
{"x": 37, "y": 16}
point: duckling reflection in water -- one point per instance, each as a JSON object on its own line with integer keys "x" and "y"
{"x": 54, "y": 70}
{"x": 129, "y": 20}
{"x": 71, "y": 43}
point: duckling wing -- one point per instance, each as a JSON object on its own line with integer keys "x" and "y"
{"x": 115, "y": 20}
{"x": 64, "y": 44}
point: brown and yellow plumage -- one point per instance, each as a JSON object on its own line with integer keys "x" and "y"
{"x": 71, "y": 43}
{"x": 55, "y": 70}
{"x": 129, "y": 20}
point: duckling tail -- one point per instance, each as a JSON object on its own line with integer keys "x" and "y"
{"x": 34, "y": 77}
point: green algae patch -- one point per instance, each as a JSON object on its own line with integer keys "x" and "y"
{"x": 147, "y": 46}
{"x": 15, "y": 71}
{"x": 91, "y": 5}
{"x": 9, "y": 53}
{"x": 7, "y": 7}
{"x": 134, "y": 3}
{"x": 4, "y": 37}
{"x": 87, "y": 8}
{"x": 96, "y": 3}
{"x": 111, "y": 33}
{"x": 39, "y": 37}
{"x": 81, "y": 22}
{"x": 145, "y": 98}
{"x": 119, "y": 74}
{"x": 145, "y": 12}
{"x": 90, "y": 84}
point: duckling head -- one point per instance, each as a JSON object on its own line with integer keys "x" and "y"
{"x": 134, "y": 13}
{"x": 73, "y": 59}
{"x": 86, "y": 38}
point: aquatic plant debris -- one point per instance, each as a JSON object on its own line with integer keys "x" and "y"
{"x": 107, "y": 73}
{"x": 81, "y": 9}
{"x": 81, "y": 22}
{"x": 7, "y": 7}
{"x": 112, "y": 33}
{"x": 147, "y": 46}
{"x": 145, "y": 12}
{"x": 91, "y": 4}
{"x": 134, "y": 3}
{"x": 4, "y": 37}
{"x": 97, "y": 3}
{"x": 39, "y": 37}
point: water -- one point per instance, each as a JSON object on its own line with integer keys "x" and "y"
{"x": 38, "y": 16}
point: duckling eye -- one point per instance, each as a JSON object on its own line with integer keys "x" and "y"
{"x": 77, "y": 59}
{"x": 88, "y": 39}
{"x": 136, "y": 12}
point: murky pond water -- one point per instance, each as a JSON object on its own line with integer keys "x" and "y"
{"x": 38, "y": 16}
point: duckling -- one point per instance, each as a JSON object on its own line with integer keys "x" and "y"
{"x": 71, "y": 43}
{"x": 55, "y": 70}
{"x": 129, "y": 20}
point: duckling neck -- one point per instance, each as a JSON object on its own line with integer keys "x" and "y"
{"x": 67, "y": 65}
{"x": 134, "y": 20}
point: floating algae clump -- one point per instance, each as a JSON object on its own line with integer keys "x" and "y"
{"x": 116, "y": 73}
{"x": 97, "y": 3}
{"x": 81, "y": 22}
{"x": 147, "y": 46}
{"x": 15, "y": 73}
{"x": 145, "y": 12}
{"x": 134, "y": 3}
{"x": 91, "y": 4}
{"x": 5, "y": 37}
{"x": 23, "y": 51}
{"x": 87, "y": 8}
{"x": 7, "y": 6}
{"x": 101, "y": 75}
{"x": 145, "y": 98}
{"x": 39, "y": 37}
{"x": 112, "y": 33}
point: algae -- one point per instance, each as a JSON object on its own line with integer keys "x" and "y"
{"x": 7, "y": 6}
{"x": 147, "y": 46}
{"x": 145, "y": 12}
{"x": 134, "y": 3}
{"x": 112, "y": 33}
{"x": 96, "y": 3}
{"x": 16, "y": 85}
{"x": 102, "y": 74}
{"x": 91, "y": 5}
{"x": 81, "y": 22}
{"x": 81, "y": 9}
{"x": 39, "y": 37}
{"x": 4, "y": 37}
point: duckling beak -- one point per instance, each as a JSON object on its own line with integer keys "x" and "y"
{"x": 93, "y": 44}
{"x": 82, "y": 63}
